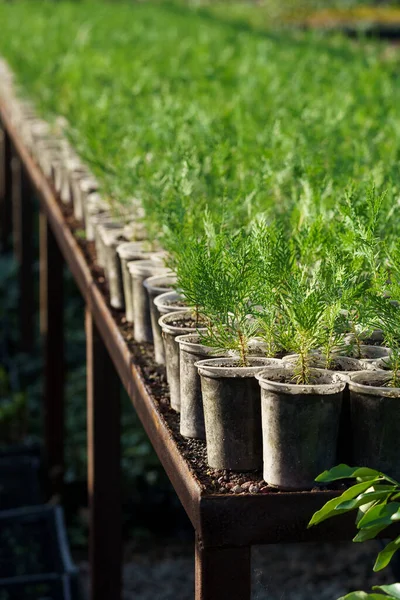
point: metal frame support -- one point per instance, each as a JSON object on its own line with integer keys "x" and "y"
{"x": 23, "y": 222}
{"x": 104, "y": 481}
{"x": 222, "y": 573}
{"x": 52, "y": 330}
{"x": 5, "y": 189}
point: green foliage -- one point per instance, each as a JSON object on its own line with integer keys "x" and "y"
{"x": 217, "y": 274}
{"x": 375, "y": 498}
{"x": 200, "y": 115}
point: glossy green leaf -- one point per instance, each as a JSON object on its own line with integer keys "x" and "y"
{"x": 345, "y": 472}
{"x": 366, "y": 596}
{"x": 380, "y": 514}
{"x": 368, "y": 497}
{"x": 369, "y": 533}
{"x": 385, "y": 556}
{"x": 393, "y": 589}
{"x": 330, "y": 509}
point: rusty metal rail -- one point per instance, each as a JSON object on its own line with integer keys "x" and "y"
{"x": 226, "y": 526}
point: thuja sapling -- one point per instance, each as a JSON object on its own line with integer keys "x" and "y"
{"x": 387, "y": 311}
{"x": 339, "y": 286}
{"x": 375, "y": 498}
{"x": 303, "y": 306}
{"x": 229, "y": 281}
{"x": 273, "y": 260}
{"x": 195, "y": 261}
{"x": 231, "y": 395}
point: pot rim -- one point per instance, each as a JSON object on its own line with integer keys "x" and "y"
{"x": 210, "y": 367}
{"x": 147, "y": 265}
{"x": 159, "y": 301}
{"x": 150, "y": 282}
{"x": 194, "y": 347}
{"x": 173, "y": 329}
{"x": 335, "y": 386}
{"x": 371, "y": 390}
{"x": 290, "y": 358}
{"x": 386, "y": 352}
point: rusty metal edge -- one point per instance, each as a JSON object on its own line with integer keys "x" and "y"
{"x": 174, "y": 464}
{"x": 245, "y": 520}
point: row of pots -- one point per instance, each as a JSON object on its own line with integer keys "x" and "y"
{"x": 255, "y": 417}
{"x": 252, "y": 417}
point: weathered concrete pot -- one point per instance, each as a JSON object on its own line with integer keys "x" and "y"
{"x": 69, "y": 166}
{"x": 127, "y": 253}
{"x": 374, "y": 338}
{"x": 82, "y": 183}
{"x": 172, "y": 325}
{"x": 345, "y": 366}
{"x": 232, "y": 412}
{"x": 94, "y": 206}
{"x": 371, "y": 353}
{"x": 112, "y": 238}
{"x": 57, "y": 173}
{"x": 135, "y": 231}
{"x": 380, "y": 364}
{"x": 139, "y": 271}
{"x": 191, "y": 351}
{"x": 155, "y": 286}
{"x": 47, "y": 151}
{"x": 375, "y": 421}
{"x": 99, "y": 227}
{"x": 170, "y": 302}
{"x": 300, "y": 426}
{"x": 75, "y": 176}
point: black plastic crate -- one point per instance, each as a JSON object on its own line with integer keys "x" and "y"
{"x": 39, "y": 587}
{"x": 33, "y": 541}
{"x": 19, "y": 482}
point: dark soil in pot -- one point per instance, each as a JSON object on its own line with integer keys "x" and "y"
{"x": 300, "y": 426}
{"x": 340, "y": 364}
{"x": 232, "y": 412}
{"x": 170, "y": 302}
{"x": 139, "y": 271}
{"x": 172, "y": 325}
{"x": 155, "y": 286}
{"x": 370, "y": 353}
{"x": 375, "y": 421}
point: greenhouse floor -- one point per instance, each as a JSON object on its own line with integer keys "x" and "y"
{"x": 284, "y": 572}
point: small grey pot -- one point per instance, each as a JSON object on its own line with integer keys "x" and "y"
{"x": 191, "y": 351}
{"x": 345, "y": 366}
{"x": 371, "y": 353}
{"x": 232, "y": 412}
{"x": 95, "y": 208}
{"x": 300, "y": 426}
{"x": 155, "y": 286}
{"x": 112, "y": 238}
{"x": 69, "y": 165}
{"x": 127, "y": 253}
{"x": 172, "y": 325}
{"x": 99, "y": 228}
{"x": 76, "y": 177}
{"x": 82, "y": 184}
{"x": 139, "y": 271}
{"x": 375, "y": 421}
